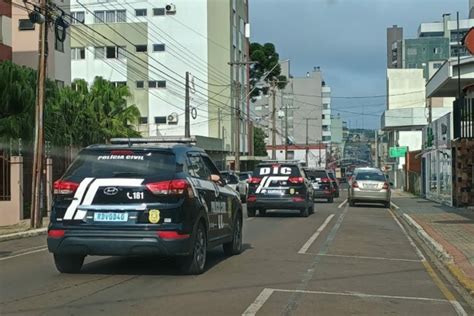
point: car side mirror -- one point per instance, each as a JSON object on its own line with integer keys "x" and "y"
{"x": 391, "y": 184}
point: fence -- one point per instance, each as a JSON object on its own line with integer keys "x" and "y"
{"x": 463, "y": 118}
{"x": 5, "y": 186}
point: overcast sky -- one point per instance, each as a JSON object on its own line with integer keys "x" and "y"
{"x": 347, "y": 39}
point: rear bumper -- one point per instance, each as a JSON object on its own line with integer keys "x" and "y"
{"x": 322, "y": 195}
{"x": 370, "y": 196}
{"x": 118, "y": 243}
{"x": 276, "y": 204}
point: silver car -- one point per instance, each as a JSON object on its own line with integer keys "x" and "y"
{"x": 369, "y": 185}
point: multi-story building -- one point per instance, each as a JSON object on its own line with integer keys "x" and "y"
{"x": 19, "y": 41}
{"x": 326, "y": 120}
{"x": 150, "y": 46}
{"x": 394, "y": 56}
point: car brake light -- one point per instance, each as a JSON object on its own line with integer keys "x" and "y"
{"x": 251, "y": 198}
{"x": 121, "y": 152}
{"x": 56, "y": 233}
{"x": 355, "y": 184}
{"x": 170, "y": 234}
{"x": 296, "y": 179}
{"x": 255, "y": 180}
{"x": 65, "y": 187}
{"x": 170, "y": 187}
{"x": 325, "y": 180}
{"x": 385, "y": 186}
{"x": 298, "y": 199}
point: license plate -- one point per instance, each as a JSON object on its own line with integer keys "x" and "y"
{"x": 370, "y": 186}
{"x": 316, "y": 185}
{"x": 274, "y": 192}
{"x": 110, "y": 217}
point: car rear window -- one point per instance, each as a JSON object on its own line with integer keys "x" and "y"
{"x": 230, "y": 178}
{"x": 244, "y": 176}
{"x": 121, "y": 164}
{"x": 277, "y": 169}
{"x": 370, "y": 176}
{"x": 331, "y": 175}
{"x": 316, "y": 174}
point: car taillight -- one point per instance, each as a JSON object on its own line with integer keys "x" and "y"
{"x": 325, "y": 180}
{"x": 385, "y": 186}
{"x": 56, "y": 233}
{"x": 65, "y": 187}
{"x": 251, "y": 198}
{"x": 298, "y": 199}
{"x": 296, "y": 179}
{"x": 355, "y": 184}
{"x": 255, "y": 180}
{"x": 170, "y": 234}
{"x": 170, "y": 187}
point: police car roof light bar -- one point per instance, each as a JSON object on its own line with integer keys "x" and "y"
{"x": 154, "y": 140}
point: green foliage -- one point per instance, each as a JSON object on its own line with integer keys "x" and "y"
{"x": 266, "y": 58}
{"x": 77, "y": 115}
{"x": 259, "y": 142}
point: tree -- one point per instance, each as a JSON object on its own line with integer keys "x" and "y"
{"x": 259, "y": 142}
{"x": 267, "y": 60}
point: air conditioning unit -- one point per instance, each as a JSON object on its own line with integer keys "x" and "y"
{"x": 170, "y": 8}
{"x": 173, "y": 118}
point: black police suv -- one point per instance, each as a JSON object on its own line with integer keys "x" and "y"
{"x": 279, "y": 185}
{"x": 143, "y": 198}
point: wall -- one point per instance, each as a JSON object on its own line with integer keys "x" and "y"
{"x": 394, "y": 34}
{"x": 422, "y": 50}
{"x": 405, "y": 88}
{"x": 11, "y": 211}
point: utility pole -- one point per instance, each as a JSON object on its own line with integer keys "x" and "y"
{"x": 237, "y": 122}
{"x": 286, "y": 125}
{"x": 187, "y": 128}
{"x": 273, "y": 121}
{"x": 35, "y": 211}
{"x": 307, "y": 142}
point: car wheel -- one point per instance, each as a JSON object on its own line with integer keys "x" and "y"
{"x": 311, "y": 209}
{"x": 251, "y": 212}
{"x": 68, "y": 263}
{"x": 262, "y": 212}
{"x": 351, "y": 203}
{"x": 243, "y": 198}
{"x": 235, "y": 246}
{"x": 337, "y": 194}
{"x": 386, "y": 204}
{"x": 304, "y": 212}
{"x": 331, "y": 200}
{"x": 195, "y": 263}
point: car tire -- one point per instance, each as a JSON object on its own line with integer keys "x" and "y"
{"x": 304, "y": 212}
{"x": 195, "y": 263}
{"x": 351, "y": 203}
{"x": 68, "y": 263}
{"x": 262, "y": 212}
{"x": 386, "y": 204}
{"x": 331, "y": 200}
{"x": 337, "y": 194}
{"x": 311, "y": 209}
{"x": 234, "y": 247}
{"x": 251, "y": 212}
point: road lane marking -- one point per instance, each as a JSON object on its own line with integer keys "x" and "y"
{"x": 395, "y": 205}
{"x": 263, "y": 297}
{"x": 366, "y": 257}
{"x": 250, "y": 218}
{"x": 315, "y": 235}
{"x": 258, "y": 303}
{"x": 24, "y": 254}
{"x": 342, "y": 204}
{"x": 442, "y": 287}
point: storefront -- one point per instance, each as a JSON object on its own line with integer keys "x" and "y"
{"x": 438, "y": 160}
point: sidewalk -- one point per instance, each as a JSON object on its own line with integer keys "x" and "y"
{"x": 22, "y": 230}
{"x": 449, "y": 230}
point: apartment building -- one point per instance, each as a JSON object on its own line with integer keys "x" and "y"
{"x": 19, "y": 41}
{"x": 151, "y": 45}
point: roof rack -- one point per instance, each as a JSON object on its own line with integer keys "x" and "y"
{"x": 154, "y": 140}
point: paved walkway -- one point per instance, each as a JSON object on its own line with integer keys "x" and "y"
{"x": 451, "y": 227}
{"x": 23, "y": 226}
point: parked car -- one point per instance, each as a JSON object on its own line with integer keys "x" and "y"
{"x": 279, "y": 185}
{"x": 244, "y": 179}
{"x": 232, "y": 179}
{"x": 322, "y": 184}
{"x": 335, "y": 183}
{"x": 369, "y": 185}
{"x": 139, "y": 198}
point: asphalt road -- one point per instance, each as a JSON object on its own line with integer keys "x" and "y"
{"x": 340, "y": 261}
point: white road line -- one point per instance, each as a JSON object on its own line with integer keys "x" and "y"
{"x": 258, "y": 303}
{"x": 315, "y": 235}
{"x": 365, "y": 257}
{"x": 342, "y": 204}
{"x": 24, "y": 254}
{"x": 412, "y": 243}
{"x": 250, "y": 218}
{"x": 458, "y": 308}
{"x": 395, "y": 205}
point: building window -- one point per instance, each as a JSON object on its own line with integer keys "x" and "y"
{"x": 160, "y": 119}
{"x": 161, "y": 83}
{"x": 140, "y": 12}
{"x": 78, "y": 53}
{"x": 25, "y": 25}
{"x": 77, "y": 17}
{"x": 158, "y": 47}
{"x": 158, "y": 11}
{"x": 143, "y": 120}
{"x": 437, "y": 50}
{"x": 140, "y": 84}
{"x": 60, "y": 83}
{"x": 99, "y": 16}
{"x": 151, "y": 84}
{"x": 121, "y": 16}
{"x": 141, "y": 48}
{"x": 326, "y": 138}
{"x": 119, "y": 83}
{"x": 110, "y": 17}
{"x": 99, "y": 52}
{"x": 323, "y": 117}
{"x": 58, "y": 45}
{"x": 411, "y": 65}
{"x": 325, "y": 106}
{"x": 437, "y": 65}
{"x": 411, "y": 51}
{"x": 121, "y": 52}
{"x": 111, "y": 52}
{"x": 325, "y": 128}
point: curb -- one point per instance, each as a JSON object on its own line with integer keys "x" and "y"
{"x": 24, "y": 234}
{"x": 436, "y": 247}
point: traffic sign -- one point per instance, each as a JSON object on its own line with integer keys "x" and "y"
{"x": 396, "y": 152}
